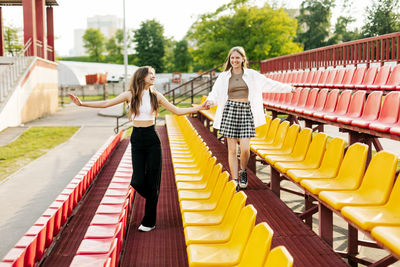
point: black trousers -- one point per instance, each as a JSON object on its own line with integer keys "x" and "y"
{"x": 146, "y": 162}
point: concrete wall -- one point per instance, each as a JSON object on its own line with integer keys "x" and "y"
{"x": 36, "y": 95}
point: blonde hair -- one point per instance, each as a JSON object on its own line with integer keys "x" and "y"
{"x": 241, "y": 51}
{"x": 136, "y": 87}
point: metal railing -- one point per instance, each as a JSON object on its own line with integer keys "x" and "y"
{"x": 13, "y": 69}
{"x": 378, "y": 49}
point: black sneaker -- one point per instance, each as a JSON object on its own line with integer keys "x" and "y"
{"x": 243, "y": 178}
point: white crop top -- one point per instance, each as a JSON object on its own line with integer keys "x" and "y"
{"x": 145, "y": 111}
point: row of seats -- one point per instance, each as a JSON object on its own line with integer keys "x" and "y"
{"x": 367, "y": 196}
{"x": 218, "y": 226}
{"x": 32, "y": 246}
{"x": 370, "y": 78}
{"x": 376, "y": 112}
{"x": 102, "y": 243}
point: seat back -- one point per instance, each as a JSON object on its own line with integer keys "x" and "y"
{"x": 288, "y": 98}
{"x": 296, "y": 96}
{"x": 257, "y": 248}
{"x": 321, "y": 99}
{"x": 281, "y": 133}
{"x": 316, "y": 149}
{"x": 331, "y": 76}
{"x": 382, "y": 75}
{"x": 235, "y": 207}
{"x": 316, "y": 77}
{"x": 212, "y": 180}
{"x": 302, "y": 76}
{"x": 226, "y": 197}
{"x": 310, "y": 76}
{"x": 352, "y": 168}
{"x": 312, "y": 96}
{"x": 261, "y": 131}
{"x": 331, "y": 100}
{"x": 303, "y": 97}
{"x": 219, "y": 186}
{"x": 297, "y": 76}
{"x": 333, "y": 156}
{"x": 358, "y": 75}
{"x": 372, "y": 106}
{"x": 290, "y": 138}
{"x": 394, "y": 198}
{"x": 302, "y": 143}
{"x": 339, "y": 76}
{"x": 369, "y": 76}
{"x": 244, "y": 226}
{"x": 394, "y": 78}
{"x": 390, "y": 108}
{"x": 379, "y": 177}
{"x": 279, "y": 256}
{"x": 343, "y": 102}
{"x": 356, "y": 104}
{"x": 348, "y": 76}
{"x": 323, "y": 77}
{"x": 272, "y": 130}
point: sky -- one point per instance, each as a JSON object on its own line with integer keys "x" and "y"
{"x": 175, "y": 15}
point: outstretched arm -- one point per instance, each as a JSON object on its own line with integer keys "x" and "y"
{"x": 123, "y": 97}
{"x": 174, "y": 109}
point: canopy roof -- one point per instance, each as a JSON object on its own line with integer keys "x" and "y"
{"x": 19, "y": 3}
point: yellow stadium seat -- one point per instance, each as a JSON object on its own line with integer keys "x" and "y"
{"x": 261, "y": 131}
{"x": 257, "y": 247}
{"x": 219, "y": 233}
{"x": 350, "y": 172}
{"x": 287, "y": 146}
{"x": 208, "y": 203}
{"x": 277, "y": 141}
{"x": 269, "y": 138}
{"x": 279, "y": 257}
{"x": 389, "y": 236}
{"x": 382, "y": 215}
{"x": 329, "y": 166}
{"x": 229, "y": 253}
{"x": 207, "y": 217}
{"x": 206, "y": 185}
{"x": 312, "y": 159}
{"x": 203, "y": 176}
{"x": 375, "y": 186}
{"x": 299, "y": 149}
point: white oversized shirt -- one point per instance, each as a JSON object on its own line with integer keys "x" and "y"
{"x": 257, "y": 84}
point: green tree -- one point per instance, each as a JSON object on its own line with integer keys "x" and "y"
{"x": 342, "y": 33}
{"x": 93, "y": 41}
{"x": 314, "y": 23}
{"x": 168, "y": 59}
{"x": 182, "y": 57}
{"x": 381, "y": 18}
{"x": 263, "y": 31}
{"x": 12, "y": 42}
{"x": 149, "y": 41}
{"x": 115, "y": 46}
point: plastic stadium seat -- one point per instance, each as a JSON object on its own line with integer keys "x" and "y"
{"x": 355, "y": 107}
{"x": 349, "y": 175}
{"x": 288, "y": 143}
{"x": 307, "y": 80}
{"x": 96, "y": 259}
{"x": 40, "y": 233}
{"x": 389, "y": 236}
{"x": 228, "y": 253}
{"x": 312, "y": 159}
{"x": 357, "y": 78}
{"x": 299, "y": 150}
{"x": 15, "y": 256}
{"x": 286, "y": 102}
{"x": 199, "y": 177}
{"x": 389, "y": 113}
{"x": 294, "y": 101}
{"x": 319, "y": 103}
{"x": 393, "y": 81}
{"x": 302, "y": 100}
{"x": 310, "y": 102}
{"x": 261, "y": 131}
{"x": 375, "y": 187}
{"x": 258, "y": 246}
{"x": 370, "y": 112}
{"x": 348, "y": 77}
{"x": 382, "y": 215}
{"x": 28, "y": 243}
{"x": 219, "y": 233}
{"x": 279, "y": 256}
{"x": 368, "y": 79}
{"x": 205, "y": 186}
{"x": 277, "y": 141}
{"x": 329, "y": 105}
{"x": 337, "y": 80}
{"x": 315, "y": 78}
{"x": 269, "y": 139}
{"x": 330, "y": 78}
{"x": 329, "y": 165}
{"x": 380, "y": 78}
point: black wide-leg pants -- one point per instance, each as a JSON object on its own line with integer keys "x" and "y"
{"x": 146, "y": 162}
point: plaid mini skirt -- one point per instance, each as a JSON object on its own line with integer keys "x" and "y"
{"x": 237, "y": 120}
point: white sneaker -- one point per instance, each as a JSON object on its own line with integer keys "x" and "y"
{"x": 145, "y": 228}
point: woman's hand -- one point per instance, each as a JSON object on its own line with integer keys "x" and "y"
{"x": 75, "y": 99}
{"x": 208, "y": 104}
{"x": 204, "y": 106}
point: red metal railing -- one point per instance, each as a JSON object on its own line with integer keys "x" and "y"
{"x": 378, "y": 49}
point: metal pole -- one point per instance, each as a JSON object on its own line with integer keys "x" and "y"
{"x": 125, "y": 52}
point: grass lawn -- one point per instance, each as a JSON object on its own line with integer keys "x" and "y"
{"x": 33, "y": 143}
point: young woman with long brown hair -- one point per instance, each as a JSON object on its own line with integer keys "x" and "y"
{"x": 143, "y": 103}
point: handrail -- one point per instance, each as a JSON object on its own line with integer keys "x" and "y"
{"x": 378, "y": 49}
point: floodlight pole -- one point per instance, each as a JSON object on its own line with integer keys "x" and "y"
{"x": 125, "y": 51}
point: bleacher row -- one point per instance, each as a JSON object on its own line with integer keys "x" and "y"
{"x": 30, "y": 249}
{"x": 219, "y": 229}
{"x": 102, "y": 243}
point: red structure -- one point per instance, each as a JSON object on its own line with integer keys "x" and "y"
{"x": 38, "y": 27}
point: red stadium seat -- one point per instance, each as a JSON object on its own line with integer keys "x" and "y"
{"x": 301, "y": 100}
{"x": 370, "y": 112}
{"x": 330, "y": 104}
{"x": 312, "y": 96}
{"x": 342, "y": 106}
{"x": 381, "y": 78}
{"x": 368, "y": 79}
{"x": 355, "y": 107}
{"x": 338, "y": 79}
{"x": 357, "y": 78}
{"x": 319, "y": 103}
{"x": 394, "y": 80}
{"x": 389, "y": 113}
{"x": 348, "y": 77}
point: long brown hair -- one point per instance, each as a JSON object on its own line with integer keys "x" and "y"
{"x": 136, "y": 87}
{"x": 241, "y": 51}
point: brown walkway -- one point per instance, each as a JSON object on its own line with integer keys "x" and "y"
{"x": 305, "y": 246}
{"x": 73, "y": 233}
{"x": 165, "y": 245}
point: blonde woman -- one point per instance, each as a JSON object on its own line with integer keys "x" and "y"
{"x": 144, "y": 102}
{"x": 238, "y": 94}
